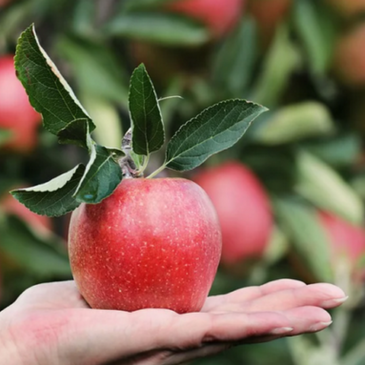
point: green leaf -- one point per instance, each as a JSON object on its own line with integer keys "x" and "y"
{"x": 144, "y": 4}
{"x": 95, "y": 69}
{"x": 301, "y": 224}
{"x": 31, "y": 252}
{"x": 102, "y": 175}
{"x": 49, "y": 93}
{"x": 5, "y": 135}
{"x": 295, "y": 122}
{"x": 147, "y": 126}
{"x": 234, "y": 63}
{"x": 325, "y": 188}
{"x": 162, "y": 28}
{"x": 213, "y": 130}
{"x": 282, "y": 60}
{"x": 54, "y": 198}
{"x": 317, "y": 30}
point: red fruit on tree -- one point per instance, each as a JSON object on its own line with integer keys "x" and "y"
{"x": 243, "y": 210}
{"x": 154, "y": 243}
{"x": 346, "y": 240}
{"x": 349, "y": 57}
{"x": 16, "y": 113}
{"x": 348, "y": 7}
{"x": 219, "y": 15}
{"x": 268, "y": 15}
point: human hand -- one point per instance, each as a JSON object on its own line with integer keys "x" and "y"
{"x": 52, "y": 324}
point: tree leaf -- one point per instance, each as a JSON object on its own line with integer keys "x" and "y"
{"x": 234, "y": 63}
{"x": 213, "y": 130}
{"x": 302, "y": 226}
{"x": 162, "y": 28}
{"x": 54, "y": 198}
{"x": 5, "y": 135}
{"x": 33, "y": 253}
{"x": 147, "y": 126}
{"x": 325, "y": 188}
{"x": 49, "y": 93}
{"x": 102, "y": 175}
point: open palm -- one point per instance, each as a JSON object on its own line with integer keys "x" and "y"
{"x": 52, "y": 324}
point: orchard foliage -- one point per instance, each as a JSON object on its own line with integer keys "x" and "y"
{"x": 302, "y": 59}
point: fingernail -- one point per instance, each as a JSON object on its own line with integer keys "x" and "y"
{"x": 281, "y": 330}
{"x": 319, "y": 326}
{"x": 331, "y": 302}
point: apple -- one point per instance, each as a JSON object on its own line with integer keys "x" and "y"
{"x": 346, "y": 240}
{"x": 220, "y": 16}
{"x": 16, "y": 113}
{"x": 348, "y": 7}
{"x": 349, "y": 57}
{"x": 243, "y": 210}
{"x": 268, "y": 15}
{"x": 154, "y": 243}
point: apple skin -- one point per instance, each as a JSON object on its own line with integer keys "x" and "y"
{"x": 243, "y": 210}
{"x": 154, "y": 243}
{"x": 220, "y": 16}
{"x": 345, "y": 238}
{"x": 349, "y": 57}
{"x": 16, "y": 113}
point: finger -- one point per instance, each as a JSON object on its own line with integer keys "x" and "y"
{"x": 251, "y": 293}
{"x": 110, "y": 335}
{"x": 321, "y": 295}
{"x": 63, "y": 294}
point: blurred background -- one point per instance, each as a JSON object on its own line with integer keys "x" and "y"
{"x": 290, "y": 195}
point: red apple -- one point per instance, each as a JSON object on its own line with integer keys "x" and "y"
{"x": 348, "y": 7}
{"x": 219, "y": 15}
{"x": 16, "y": 114}
{"x": 346, "y": 239}
{"x": 349, "y": 57}
{"x": 243, "y": 210}
{"x": 268, "y": 15}
{"x": 154, "y": 243}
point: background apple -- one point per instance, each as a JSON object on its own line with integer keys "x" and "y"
{"x": 219, "y": 15}
{"x": 349, "y": 57}
{"x": 16, "y": 114}
{"x": 268, "y": 14}
{"x": 153, "y": 243}
{"x": 346, "y": 239}
{"x": 243, "y": 210}
{"x": 348, "y": 7}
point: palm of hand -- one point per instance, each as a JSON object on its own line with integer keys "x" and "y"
{"x": 51, "y": 323}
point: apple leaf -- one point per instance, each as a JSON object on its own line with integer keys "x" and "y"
{"x": 5, "y": 135}
{"x": 162, "y": 28}
{"x": 49, "y": 93}
{"x": 147, "y": 126}
{"x": 102, "y": 175}
{"x": 301, "y": 224}
{"x": 31, "y": 252}
{"x": 213, "y": 130}
{"x": 54, "y": 198}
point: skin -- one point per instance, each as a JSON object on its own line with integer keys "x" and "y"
{"x": 152, "y": 243}
{"x": 243, "y": 210}
{"x": 52, "y": 324}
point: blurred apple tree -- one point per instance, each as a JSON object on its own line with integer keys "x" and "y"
{"x": 303, "y": 59}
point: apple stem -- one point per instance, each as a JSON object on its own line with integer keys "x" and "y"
{"x": 156, "y": 172}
